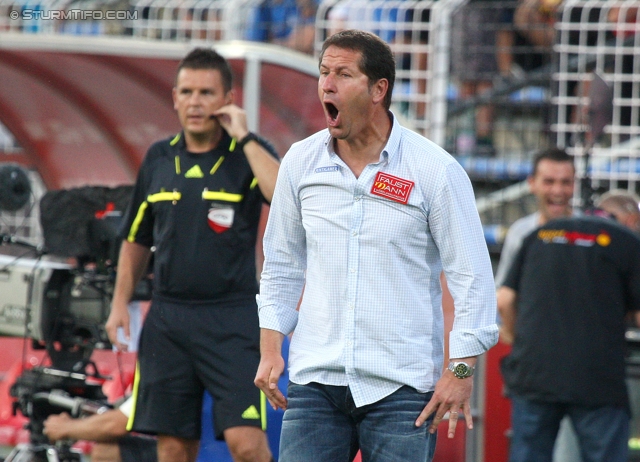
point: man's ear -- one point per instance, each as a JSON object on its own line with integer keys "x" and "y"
{"x": 174, "y": 96}
{"x": 230, "y": 97}
{"x": 379, "y": 90}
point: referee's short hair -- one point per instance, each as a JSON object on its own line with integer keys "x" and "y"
{"x": 208, "y": 58}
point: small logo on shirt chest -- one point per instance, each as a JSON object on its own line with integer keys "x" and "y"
{"x": 333, "y": 168}
{"x": 220, "y": 219}
{"x": 392, "y": 187}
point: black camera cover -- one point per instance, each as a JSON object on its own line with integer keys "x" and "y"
{"x": 84, "y": 222}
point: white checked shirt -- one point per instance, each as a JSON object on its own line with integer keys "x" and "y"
{"x": 371, "y": 315}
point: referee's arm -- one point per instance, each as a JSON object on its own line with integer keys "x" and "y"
{"x": 132, "y": 265}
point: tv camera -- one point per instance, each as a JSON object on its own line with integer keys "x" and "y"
{"x": 63, "y": 310}
{"x": 59, "y": 299}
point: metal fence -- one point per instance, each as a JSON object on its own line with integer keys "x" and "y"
{"x": 461, "y": 67}
{"x": 438, "y": 45}
{"x": 597, "y": 83}
{"x": 493, "y": 82}
{"x": 409, "y": 28}
{"x": 285, "y": 22}
{"x": 185, "y": 20}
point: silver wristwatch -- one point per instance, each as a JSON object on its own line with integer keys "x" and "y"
{"x": 461, "y": 369}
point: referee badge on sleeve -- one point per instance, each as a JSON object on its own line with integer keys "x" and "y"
{"x": 220, "y": 219}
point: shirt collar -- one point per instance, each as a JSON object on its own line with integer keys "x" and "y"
{"x": 393, "y": 143}
{"x": 224, "y": 143}
{"x": 390, "y": 149}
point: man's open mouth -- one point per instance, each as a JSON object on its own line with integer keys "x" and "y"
{"x": 331, "y": 110}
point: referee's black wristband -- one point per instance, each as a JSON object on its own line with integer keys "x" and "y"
{"x": 249, "y": 137}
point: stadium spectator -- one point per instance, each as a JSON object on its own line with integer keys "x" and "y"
{"x": 416, "y": 23}
{"x": 343, "y": 15}
{"x": 551, "y": 182}
{"x": 535, "y": 20}
{"x": 197, "y": 201}
{"x": 563, "y": 305}
{"x": 478, "y": 46}
{"x": 365, "y": 221}
{"x": 289, "y": 23}
{"x": 621, "y": 113}
{"x": 575, "y": 34}
{"x": 625, "y": 61}
{"x": 624, "y": 206}
{"x": 303, "y": 33}
{"x": 108, "y": 430}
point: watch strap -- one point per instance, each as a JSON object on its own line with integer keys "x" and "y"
{"x": 248, "y": 137}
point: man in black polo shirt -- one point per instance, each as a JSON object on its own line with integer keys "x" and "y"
{"x": 197, "y": 201}
{"x": 564, "y": 304}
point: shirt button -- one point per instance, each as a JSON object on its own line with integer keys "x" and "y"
{"x": 350, "y": 306}
{"x": 354, "y": 233}
{"x": 352, "y": 270}
{"x": 349, "y": 343}
{"x": 357, "y": 198}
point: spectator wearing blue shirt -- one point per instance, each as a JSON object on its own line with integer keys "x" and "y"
{"x": 289, "y": 23}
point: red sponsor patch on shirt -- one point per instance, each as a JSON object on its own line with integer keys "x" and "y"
{"x": 392, "y": 187}
{"x": 220, "y": 219}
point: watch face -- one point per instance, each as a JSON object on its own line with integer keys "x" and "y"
{"x": 461, "y": 370}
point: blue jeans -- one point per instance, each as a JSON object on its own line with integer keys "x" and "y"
{"x": 603, "y": 432}
{"x": 322, "y": 424}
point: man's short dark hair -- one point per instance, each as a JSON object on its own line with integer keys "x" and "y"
{"x": 377, "y": 59}
{"x": 208, "y": 58}
{"x": 552, "y": 154}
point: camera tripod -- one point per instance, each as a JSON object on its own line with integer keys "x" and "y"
{"x": 44, "y": 453}
{"x": 43, "y": 391}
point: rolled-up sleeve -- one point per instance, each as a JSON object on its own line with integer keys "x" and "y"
{"x": 283, "y": 272}
{"x": 457, "y": 231}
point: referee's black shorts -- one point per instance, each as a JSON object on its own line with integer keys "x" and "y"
{"x": 134, "y": 448}
{"x": 185, "y": 349}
